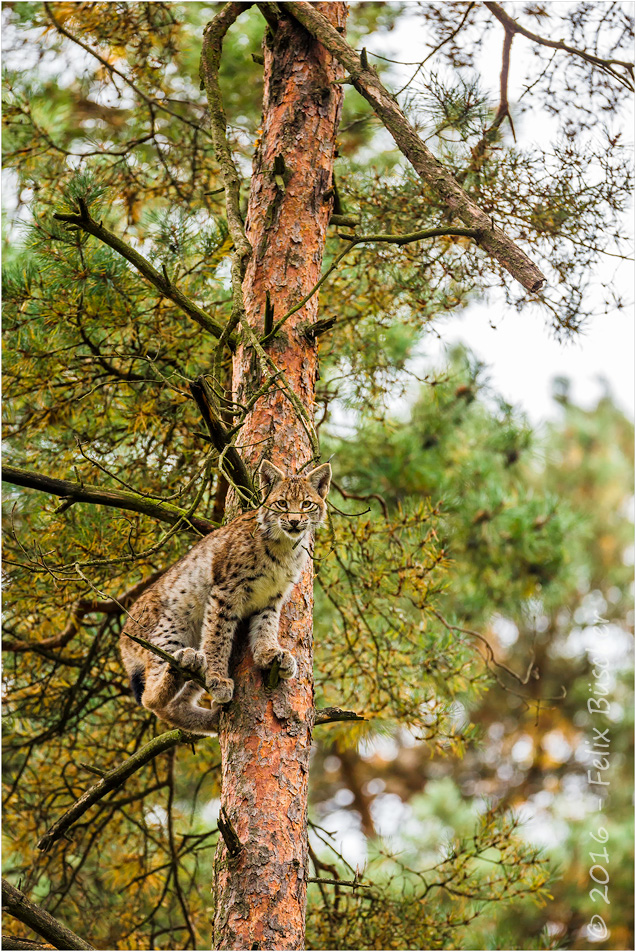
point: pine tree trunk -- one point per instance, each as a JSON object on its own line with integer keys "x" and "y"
{"x": 265, "y": 736}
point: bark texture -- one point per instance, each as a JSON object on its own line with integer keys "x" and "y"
{"x": 265, "y": 736}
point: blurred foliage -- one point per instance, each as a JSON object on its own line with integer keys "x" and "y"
{"x": 471, "y": 526}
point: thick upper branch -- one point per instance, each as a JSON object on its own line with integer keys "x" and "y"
{"x": 437, "y": 177}
{"x": 118, "y": 499}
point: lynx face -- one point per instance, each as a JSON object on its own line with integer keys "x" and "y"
{"x": 293, "y": 505}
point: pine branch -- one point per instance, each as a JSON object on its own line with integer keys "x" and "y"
{"x": 16, "y": 904}
{"x": 87, "y": 223}
{"x": 430, "y": 170}
{"x": 78, "y": 492}
{"x": 111, "y": 781}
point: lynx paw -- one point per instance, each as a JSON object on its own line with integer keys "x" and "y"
{"x": 220, "y": 689}
{"x": 193, "y": 661}
{"x": 287, "y": 664}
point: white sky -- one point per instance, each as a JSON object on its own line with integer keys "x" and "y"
{"x": 522, "y": 353}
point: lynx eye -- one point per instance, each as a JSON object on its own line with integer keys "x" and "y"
{"x": 307, "y": 504}
{"x": 282, "y": 505}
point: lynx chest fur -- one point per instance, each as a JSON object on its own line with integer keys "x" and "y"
{"x": 245, "y": 570}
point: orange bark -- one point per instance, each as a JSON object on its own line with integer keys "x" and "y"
{"x": 265, "y": 735}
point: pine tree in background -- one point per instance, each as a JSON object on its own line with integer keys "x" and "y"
{"x": 163, "y": 335}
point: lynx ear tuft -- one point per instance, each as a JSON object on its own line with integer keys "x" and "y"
{"x": 270, "y": 475}
{"x": 320, "y": 478}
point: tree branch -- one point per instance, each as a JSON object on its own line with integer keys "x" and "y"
{"x": 82, "y": 607}
{"x": 14, "y": 942}
{"x": 221, "y": 439}
{"x": 17, "y": 905}
{"x": 328, "y": 715}
{"x": 439, "y": 179}
{"x": 77, "y": 492}
{"x": 110, "y": 781}
{"x": 209, "y": 71}
{"x": 511, "y": 25}
{"x": 360, "y": 240}
{"x": 87, "y": 223}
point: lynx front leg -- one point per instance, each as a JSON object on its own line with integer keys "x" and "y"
{"x": 264, "y": 643}
{"x": 218, "y": 630}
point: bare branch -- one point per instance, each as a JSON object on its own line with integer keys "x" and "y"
{"x": 607, "y": 64}
{"x": 16, "y": 904}
{"x": 354, "y": 240}
{"x": 110, "y": 781}
{"x": 209, "y": 71}
{"x": 430, "y": 170}
{"x": 328, "y": 715}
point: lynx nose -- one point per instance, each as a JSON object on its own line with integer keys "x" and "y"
{"x": 294, "y": 523}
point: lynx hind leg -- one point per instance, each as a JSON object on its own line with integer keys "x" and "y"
{"x": 162, "y": 683}
{"x": 184, "y": 712}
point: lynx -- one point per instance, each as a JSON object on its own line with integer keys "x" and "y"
{"x": 246, "y": 569}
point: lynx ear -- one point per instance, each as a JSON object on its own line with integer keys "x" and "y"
{"x": 320, "y": 478}
{"x": 270, "y": 475}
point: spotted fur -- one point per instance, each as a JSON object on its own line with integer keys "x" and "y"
{"x": 246, "y": 569}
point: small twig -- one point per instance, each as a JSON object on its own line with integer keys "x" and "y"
{"x": 354, "y": 884}
{"x": 362, "y": 498}
{"x": 522, "y": 679}
{"x": 94, "y": 770}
